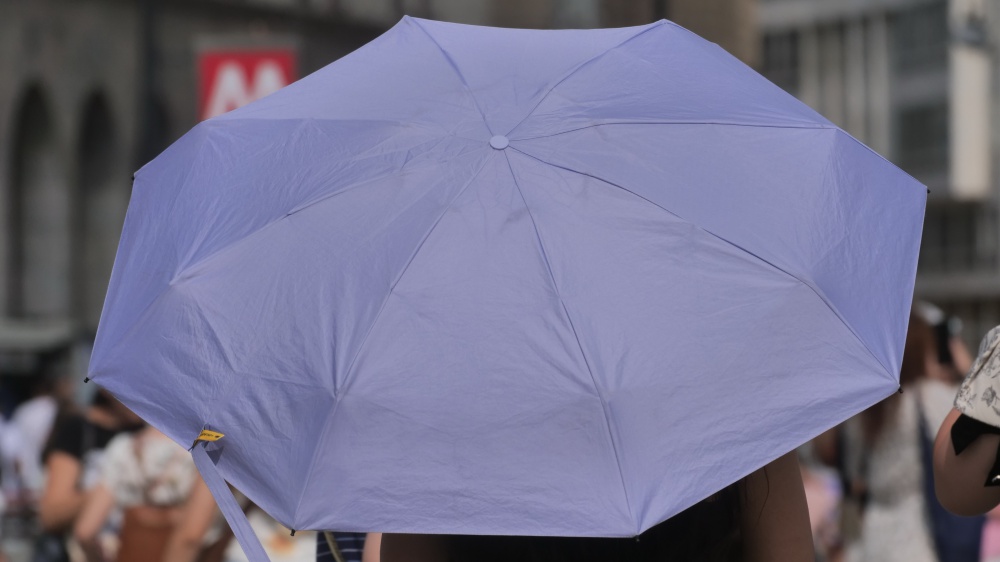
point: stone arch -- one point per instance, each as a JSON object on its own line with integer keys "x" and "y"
{"x": 38, "y": 210}
{"x": 101, "y": 200}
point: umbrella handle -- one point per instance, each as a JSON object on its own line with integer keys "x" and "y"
{"x": 231, "y": 510}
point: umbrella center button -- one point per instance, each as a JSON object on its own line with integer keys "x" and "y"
{"x": 499, "y": 142}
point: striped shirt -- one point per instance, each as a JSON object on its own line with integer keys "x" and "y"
{"x": 350, "y": 545}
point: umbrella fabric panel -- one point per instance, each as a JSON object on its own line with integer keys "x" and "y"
{"x": 220, "y": 184}
{"x": 704, "y": 455}
{"x": 379, "y": 463}
{"x": 473, "y": 363}
{"x": 785, "y": 195}
{"x": 665, "y": 75}
{"x": 885, "y": 222}
{"x": 267, "y": 423}
{"x": 288, "y": 305}
{"x": 627, "y": 271}
{"x": 400, "y": 77}
{"x": 509, "y": 71}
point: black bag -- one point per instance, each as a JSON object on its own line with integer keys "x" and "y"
{"x": 50, "y": 548}
{"x": 956, "y": 538}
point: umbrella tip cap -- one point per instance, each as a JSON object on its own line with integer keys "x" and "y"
{"x": 499, "y": 142}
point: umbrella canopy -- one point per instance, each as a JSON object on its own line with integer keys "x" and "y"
{"x": 500, "y": 281}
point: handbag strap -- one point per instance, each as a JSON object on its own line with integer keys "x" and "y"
{"x": 231, "y": 510}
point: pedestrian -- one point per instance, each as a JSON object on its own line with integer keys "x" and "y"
{"x": 30, "y": 426}
{"x": 889, "y": 477}
{"x": 762, "y": 518}
{"x": 148, "y": 477}
{"x": 953, "y": 357}
{"x": 72, "y": 460}
{"x": 967, "y": 449}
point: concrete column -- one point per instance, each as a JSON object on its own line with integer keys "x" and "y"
{"x": 856, "y": 88}
{"x": 970, "y": 77}
{"x": 879, "y": 74}
{"x": 832, "y": 78}
{"x": 809, "y": 68}
{"x": 40, "y": 268}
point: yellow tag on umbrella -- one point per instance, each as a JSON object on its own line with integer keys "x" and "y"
{"x": 208, "y": 436}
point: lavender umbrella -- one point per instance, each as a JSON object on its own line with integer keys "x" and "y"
{"x": 500, "y": 281}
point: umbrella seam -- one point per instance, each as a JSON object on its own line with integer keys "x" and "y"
{"x": 179, "y": 276}
{"x": 681, "y": 122}
{"x": 570, "y": 74}
{"x": 724, "y": 124}
{"x": 402, "y": 272}
{"x": 880, "y": 157}
{"x": 458, "y": 72}
{"x": 814, "y": 289}
{"x": 183, "y": 274}
{"x": 583, "y": 354}
{"x": 338, "y": 394}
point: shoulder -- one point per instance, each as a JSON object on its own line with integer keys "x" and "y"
{"x": 67, "y": 435}
{"x": 120, "y": 447}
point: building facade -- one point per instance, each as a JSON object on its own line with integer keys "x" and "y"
{"x": 916, "y": 81}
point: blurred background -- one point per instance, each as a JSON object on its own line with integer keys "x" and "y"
{"x": 90, "y": 90}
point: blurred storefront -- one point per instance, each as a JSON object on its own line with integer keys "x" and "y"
{"x": 916, "y": 81}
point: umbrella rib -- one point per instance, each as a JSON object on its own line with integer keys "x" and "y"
{"x": 347, "y": 376}
{"x": 184, "y": 272}
{"x": 402, "y": 271}
{"x": 570, "y": 74}
{"x": 681, "y": 122}
{"x": 569, "y": 319}
{"x": 815, "y": 290}
{"x": 458, "y": 72}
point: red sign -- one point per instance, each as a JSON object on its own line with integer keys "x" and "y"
{"x": 235, "y": 77}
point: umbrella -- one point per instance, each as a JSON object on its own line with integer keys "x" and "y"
{"x": 501, "y": 281}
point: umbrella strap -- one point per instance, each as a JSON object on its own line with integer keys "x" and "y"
{"x": 232, "y": 511}
{"x": 334, "y": 549}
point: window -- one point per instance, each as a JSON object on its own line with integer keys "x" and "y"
{"x": 920, "y": 38}
{"x": 959, "y": 237}
{"x": 922, "y": 141}
{"x": 781, "y": 60}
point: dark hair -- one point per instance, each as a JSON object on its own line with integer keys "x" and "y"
{"x": 102, "y": 399}
{"x": 709, "y": 531}
{"x": 919, "y": 344}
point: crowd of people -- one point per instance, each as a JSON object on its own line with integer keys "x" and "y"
{"x": 96, "y": 484}
{"x": 869, "y": 481}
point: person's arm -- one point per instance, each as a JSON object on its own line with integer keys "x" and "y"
{"x": 372, "y": 551}
{"x": 187, "y": 539}
{"x": 774, "y": 518}
{"x": 959, "y": 479}
{"x": 94, "y": 514}
{"x": 61, "y": 499}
